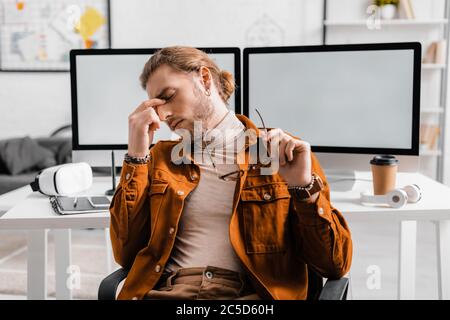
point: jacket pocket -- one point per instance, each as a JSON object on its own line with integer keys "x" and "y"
{"x": 265, "y": 211}
{"x": 156, "y": 194}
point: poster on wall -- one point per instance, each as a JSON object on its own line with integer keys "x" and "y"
{"x": 37, "y": 35}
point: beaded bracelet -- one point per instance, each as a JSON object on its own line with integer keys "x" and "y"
{"x": 137, "y": 160}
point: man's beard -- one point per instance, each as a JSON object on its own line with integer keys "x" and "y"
{"x": 203, "y": 109}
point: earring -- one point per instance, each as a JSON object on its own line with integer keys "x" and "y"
{"x": 208, "y": 92}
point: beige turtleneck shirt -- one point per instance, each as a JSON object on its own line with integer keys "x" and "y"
{"x": 203, "y": 239}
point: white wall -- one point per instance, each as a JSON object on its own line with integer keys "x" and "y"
{"x": 38, "y": 103}
{"x": 216, "y": 22}
{"x": 33, "y": 103}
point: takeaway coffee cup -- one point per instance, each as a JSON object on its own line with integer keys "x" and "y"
{"x": 384, "y": 173}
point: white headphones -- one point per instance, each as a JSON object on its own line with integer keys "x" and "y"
{"x": 396, "y": 198}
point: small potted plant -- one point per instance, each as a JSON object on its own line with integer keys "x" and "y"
{"x": 388, "y": 8}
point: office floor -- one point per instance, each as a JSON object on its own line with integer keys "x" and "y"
{"x": 88, "y": 254}
{"x": 375, "y": 244}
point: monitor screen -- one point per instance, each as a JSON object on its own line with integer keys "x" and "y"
{"x": 340, "y": 98}
{"x": 106, "y": 89}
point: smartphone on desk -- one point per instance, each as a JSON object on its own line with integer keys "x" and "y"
{"x": 99, "y": 201}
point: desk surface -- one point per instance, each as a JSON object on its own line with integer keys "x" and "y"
{"x": 434, "y": 205}
{"x": 35, "y": 211}
{"x": 10, "y": 199}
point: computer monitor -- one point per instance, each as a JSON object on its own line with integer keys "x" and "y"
{"x": 358, "y": 99}
{"x": 105, "y": 90}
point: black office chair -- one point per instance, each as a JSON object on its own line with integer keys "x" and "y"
{"x": 332, "y": 290}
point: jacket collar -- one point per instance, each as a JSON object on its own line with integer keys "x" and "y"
{"x": 249, "y": 141}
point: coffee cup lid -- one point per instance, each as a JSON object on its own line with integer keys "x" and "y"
{"x": 384, "y": 160}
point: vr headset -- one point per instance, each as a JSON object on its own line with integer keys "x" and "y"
{"x": 63, "y": 180}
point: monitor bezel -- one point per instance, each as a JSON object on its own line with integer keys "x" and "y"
{"x": 415, "y": 46}
{"x": 73, "y": 82}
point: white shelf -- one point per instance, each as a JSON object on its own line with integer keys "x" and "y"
{"x": 431, "y": 153}
{"x": 432, "y": 110}
{"x": 432, "y": 66}
{"x": 393, "y": 22}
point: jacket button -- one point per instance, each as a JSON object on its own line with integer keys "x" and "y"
{"x": 134, "y": 298}
{"x": 128, "y": 176}
{"x": 209, "y": 274}
{"x": 180, "y": 192}
{"x": 320, "y": 211}
{"x": 267, "y": 196}
{"x": 193, "y": 177}
{"x": 171, "y": 230}
{"x": 158, "y": 268}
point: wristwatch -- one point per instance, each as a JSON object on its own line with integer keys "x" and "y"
{"x": 304, "y": 193}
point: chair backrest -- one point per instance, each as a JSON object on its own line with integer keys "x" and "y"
{"x": 315, "y": 285}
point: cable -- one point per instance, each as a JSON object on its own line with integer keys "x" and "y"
{"x": 349, "y": 179}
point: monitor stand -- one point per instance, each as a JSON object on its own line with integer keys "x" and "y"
{"x": 110, "y": 192}
{"x": 341, "y": 180}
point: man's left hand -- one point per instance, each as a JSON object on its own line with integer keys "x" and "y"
{"x": 294, "y": 158}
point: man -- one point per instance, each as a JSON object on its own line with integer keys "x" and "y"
{"x": 213, "y": 222}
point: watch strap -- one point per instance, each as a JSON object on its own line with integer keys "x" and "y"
{"x": 304, "y": 193}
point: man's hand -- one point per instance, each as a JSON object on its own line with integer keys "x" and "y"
{"x": 294, "y": 157}
{"x": 142, "y": 123}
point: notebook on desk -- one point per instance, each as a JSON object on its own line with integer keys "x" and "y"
{"x": 73, "y": 205}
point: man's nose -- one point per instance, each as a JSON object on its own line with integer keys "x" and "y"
{"x": 163, "y": 112}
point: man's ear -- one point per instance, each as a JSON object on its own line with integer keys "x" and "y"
{"x": 205, "y": 77}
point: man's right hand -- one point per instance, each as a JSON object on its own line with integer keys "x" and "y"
{"x": 142, "y": 123}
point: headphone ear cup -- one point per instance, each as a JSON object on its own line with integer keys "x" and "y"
{"x": 414, "y": 193}
{"x": 397, "y": 198}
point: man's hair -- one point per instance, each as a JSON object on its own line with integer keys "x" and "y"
{"x": 188, "y": 59}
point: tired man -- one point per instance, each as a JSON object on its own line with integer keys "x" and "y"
{"x": 211, "y": 222}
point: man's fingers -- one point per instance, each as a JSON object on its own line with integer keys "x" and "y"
{"x": 282, "y": 152}
{"x": 273, "y": 144}
{"x": 273, "y": 139}
{"x": 153, "y": 119}
{"x": 275, "y": 133}
{"x": 147, "y": 118}
{"x": 285, "y": 145}
{"x": 152, "y": 103}
{"x": 289, "y": 151}
{"x": 301, "y": 145}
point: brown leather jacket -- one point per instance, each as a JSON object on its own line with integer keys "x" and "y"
{"x": 274, "y": 237}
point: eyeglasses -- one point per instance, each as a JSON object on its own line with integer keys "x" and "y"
{"x": 262, "y": 120}
{"x": 265, "y": 130}
{"x": 225, "y": 177}
{"x": 234, "y": 175}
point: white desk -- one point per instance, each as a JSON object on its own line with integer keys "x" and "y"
{"x": 35, "y": 214}
{"x": 10, "y": 199}
{"x": 434, "y": 206}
